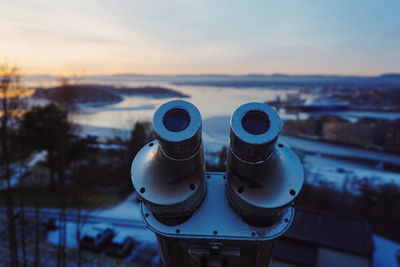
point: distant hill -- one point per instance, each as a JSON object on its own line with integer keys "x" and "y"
{"x": 391, "y": 76}
{"x": 153, "y": 91}
{"x": 281, "y": 80}
{"x": 100, "y": 94}
{"x": 257, "y": 80}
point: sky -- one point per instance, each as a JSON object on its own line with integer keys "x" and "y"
{"x": 85, "y": 37}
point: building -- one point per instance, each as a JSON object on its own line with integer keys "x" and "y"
{"x": 324, "y": 239}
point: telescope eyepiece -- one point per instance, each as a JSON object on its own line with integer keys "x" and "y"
{"x": 254, "y": 130}
{"x": 260, "y": 182}
{"x": 177, "y": 126}
{"x": 168, "y": 174}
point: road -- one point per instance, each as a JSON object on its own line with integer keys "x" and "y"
{"x": 340, "y": 151}
{"x": 72, "y": 216}
{"x": 216, "y": 131}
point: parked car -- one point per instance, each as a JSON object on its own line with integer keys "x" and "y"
{"x": 97, "y": 237}
{"x": 120, "y": 246}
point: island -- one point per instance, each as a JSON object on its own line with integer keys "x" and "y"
{"x": 95, "y": 94}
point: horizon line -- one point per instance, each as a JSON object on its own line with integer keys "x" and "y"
{"x": 209, "y": 74}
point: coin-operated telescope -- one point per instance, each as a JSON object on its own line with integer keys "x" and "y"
{"x": 217, "y": 218}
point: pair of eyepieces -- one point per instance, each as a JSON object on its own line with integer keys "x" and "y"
{"x": 263, "y": 177}
{"x": 254, "y": 129}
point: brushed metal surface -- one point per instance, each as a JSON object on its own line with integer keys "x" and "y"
{"x": 215, "y": 219}
{"x": 272, "y": 184}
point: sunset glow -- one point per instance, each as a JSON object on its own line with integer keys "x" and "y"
{"x": 170, "y": 37}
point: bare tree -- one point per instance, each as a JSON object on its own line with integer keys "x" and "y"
{"x": 48, "y": 128}
{"x": 78, "y": 207}
{"x": 140, "y": 134}
{"x": 37, "y": 221}
{"x": 11, "y": 90}
{"x": 22, "y": 221}
{"x": 62, "y": 219}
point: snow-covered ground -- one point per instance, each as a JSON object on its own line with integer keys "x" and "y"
{"x": 36, "y": 158}
{"x": 128, "y": 209}
{"x": 386, "y": 252}
{"x": 341, "y": 172}
{"x": 18, "y": 170}
{"x": 341, "y": 151}
{"x": 110, "y": 147}
{"x": 141, "y": 235}
{"x": 71, "y": 235}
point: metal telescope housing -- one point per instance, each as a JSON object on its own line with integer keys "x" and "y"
{"x": 168, "y": 174}
{"x": 217, "y": 218}
{"x": 263, "y": 177}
